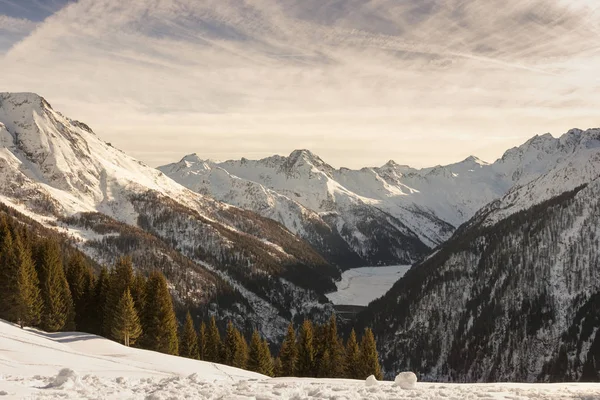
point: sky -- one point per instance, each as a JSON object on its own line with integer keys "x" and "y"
{"x": 358, "y": 82}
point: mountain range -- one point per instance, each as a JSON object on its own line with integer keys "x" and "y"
{"x": 504, "y": 284}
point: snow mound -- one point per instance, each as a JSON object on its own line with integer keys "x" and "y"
{"x": 66, "y": 379}
{"x": 371, "y": 381}
{"x": 406, "y": 380}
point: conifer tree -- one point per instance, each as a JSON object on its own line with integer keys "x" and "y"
{"x": 325, "y": 365}
{"x": 288, "y": 354}
{"x": 80, "y": 279}
{"x": 259, "y": 356}
{"x": 267, "y": 365}
{"x": 20, "y": 299}
{"x": 189, "y": 339}
{"x": 58, "y": 306}
{"x": 126, "y": 327}
{"x": 305, "y": 366}
{"x": 232, "y": 347}
{"x": 8, "y": 277}
{"x": 30, "y": 301}
{"x": 98, "y": 302}
{"x": 352, "y": 359}
{"x": 212, "y": 351}
{"x": 240, "y": 356}
{"x": 369, "y": 359}
{"x": 158, "y": 319}
{"x": 138, "y": 288}
{"x": 121, "y": 279}
{"x": 335, "y": 349}
{"x": 202, "y": 341}
{"x": 277, "y": 368}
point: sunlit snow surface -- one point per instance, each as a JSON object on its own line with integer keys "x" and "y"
{"x": 360, "y": 286}
{"x": 33, "y": 366}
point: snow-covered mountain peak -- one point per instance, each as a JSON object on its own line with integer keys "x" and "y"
{"x": 305, "y": 160}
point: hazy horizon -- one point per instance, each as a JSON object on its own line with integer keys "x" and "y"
{"x": 357, "y": 82}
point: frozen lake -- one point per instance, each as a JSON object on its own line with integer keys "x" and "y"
{"x": 360, "y": 286}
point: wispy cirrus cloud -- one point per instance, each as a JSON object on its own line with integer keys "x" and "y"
{"x": 359, "y": 82}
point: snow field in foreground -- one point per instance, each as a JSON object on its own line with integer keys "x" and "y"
{"x": 37, "y": 365}
{"x": 360, "y": 286}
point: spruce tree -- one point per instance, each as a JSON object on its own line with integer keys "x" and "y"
{"x": 30, "y": 301}
{"x": 202, "y": 341}
{"x": 138, "y": 288}
{"x": 288, "y": 354}
{"x": 335, "y": 349}
{"x": 8, "y": 278}
{"x": 158, "y": 319}
{"x": 305, "y": 366}
{"x": 58, "y": 305}
{"x": 267, "y": 365}
{"x": 98, "y": 302}
{"x": 277, "y": 368}
{"x": 325, "y": 365}
{"x": 240, "y": 356}
{"x": 369, "y": 359}
{"x": 121, "y": 279}
{"x": 259, "y": 356}
{"x": 352, "y": 358}
{"x": 189, "y": 339}
{"x": 126, "y": 326}
{"x": 81, "y": 279}
{"x": 229, "y": 344}
{"x": 212, "y": 351}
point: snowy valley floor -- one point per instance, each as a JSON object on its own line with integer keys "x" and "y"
{"x": 36, "y": 365}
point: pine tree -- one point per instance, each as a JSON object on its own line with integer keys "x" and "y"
{"x": 352, "y": 358}
{"x": 98, "y": 302}
{"x": 306, "y": 351}
{"x": 369, "y": 359}
{"x": 21, "y": 300}
{"x": 335, "y": 349}
{"x": 288, "y": 354}
{"x": 325, "y": 365}
{"x": 259, "y": 357}
{"x": 158, "y": 319}
{"x": 30, "y": 301}
{"x": 277, "y": 368}
{"x": 240, "y": 356}
{"x": 58, "y": 305}
{"x": 126, "y": 326}
{"x": 189, "y": 339}
{"x": 80, "y": 279}
{"x": 138, "y": 287}
{"x": 212, "y": 351}
{"x": 267, "y": 365}
{"x": 229, "y": 344}
{"x": 202, "y": 341}
{"x": 121, "y": 279}
{"x": 8, "y": 277}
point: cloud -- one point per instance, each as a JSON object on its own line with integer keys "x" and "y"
{"x": 16, "y": 25}
{"x": 358, "y": 81}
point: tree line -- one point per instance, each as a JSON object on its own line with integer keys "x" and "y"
{"x": 44, "y": 286}
{"x": 313, "y": 351}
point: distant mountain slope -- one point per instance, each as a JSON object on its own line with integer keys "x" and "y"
{"x": 513, "y": 295}
{"x": 57, "y": 170}
{"x": 385, "y": 215}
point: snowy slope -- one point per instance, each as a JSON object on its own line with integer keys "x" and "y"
{"x": 57, "y": 171}
{"x": 75, "y": 365}
{"x": 300, "y": 192}
{"x": 514, "y": 294}
{"x": 428, "y": 203}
